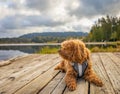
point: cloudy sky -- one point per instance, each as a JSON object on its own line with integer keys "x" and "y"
{"x": 18, "y": 17}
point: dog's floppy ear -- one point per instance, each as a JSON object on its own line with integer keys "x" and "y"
{"x": 81, "y": 48}
{"x": 85, "y": 53}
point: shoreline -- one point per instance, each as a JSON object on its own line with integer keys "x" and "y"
{"x": 10, "y": 60}
{"x": 45, "y": 44}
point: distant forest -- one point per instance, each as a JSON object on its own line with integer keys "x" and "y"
{"x": 45, "y": 37}
{"x": 105, "y": 29}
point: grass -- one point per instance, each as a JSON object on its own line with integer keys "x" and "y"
{"x": 118, "y": 43}
{"x": 54, "y": 50}
{"x": 48, "y": 50}
{"x": 108, "y": 49}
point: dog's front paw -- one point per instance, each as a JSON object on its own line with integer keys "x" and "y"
{"x": 71, "y": 86}
{"x": 56, "y": 68}
{"x": 100, "y": 83}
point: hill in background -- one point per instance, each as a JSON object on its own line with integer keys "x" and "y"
{"x": 44, "y": 37}
{"x": 54, "y": 34}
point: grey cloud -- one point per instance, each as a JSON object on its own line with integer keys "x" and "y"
{"x": 41, "y": 5}
{"x": 92, "y": 8}
{"x": 21, "y": 21}
{"x": 10, "y": 3}
{"x": 8, "y": 34}
{"x": 42, "y": 21}
{"x": 88, "y": 8}
{"x": 10, "y": 22}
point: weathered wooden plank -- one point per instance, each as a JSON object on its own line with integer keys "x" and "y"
{"x": 117, "y": 54}
{"x": 34, "y": 77}
{"x": 9, "y": 61}
{"x": 20, "y": 82}
{"x": 112, "y": 72}
{"x": 5, "y": 63}
{"x": 101, "y": 72}
{"x": 21, "y": 63}
{"x": 37, "y": 84}
{"x": 23, "y": 72}
{"x": 19, "y": 72}
{"x": 60, "y": 87}
{"x": 16, "y": 65}
{"x": 115, "y": 59}
{"x": 82, "y": 88}
{"x": 52, "y": 85}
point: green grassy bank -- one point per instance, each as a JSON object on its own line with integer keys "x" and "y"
{"x": 53, "y": 50}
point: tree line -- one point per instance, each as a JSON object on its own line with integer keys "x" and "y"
{"x": 105, "y": 29}
{"x": 38, "y": 39}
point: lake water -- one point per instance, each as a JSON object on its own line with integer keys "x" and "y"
{"x": 7, "y": 52}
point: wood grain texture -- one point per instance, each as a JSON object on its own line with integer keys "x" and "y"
{"x": 101, "y": 72}
{"x": 112, "y": 71}
{"x": 35, "y": 74}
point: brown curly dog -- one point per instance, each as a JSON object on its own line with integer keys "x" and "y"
{"x": 74, "y": 51}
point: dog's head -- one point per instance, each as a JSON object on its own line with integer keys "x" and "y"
{"x": 73, "y": 50}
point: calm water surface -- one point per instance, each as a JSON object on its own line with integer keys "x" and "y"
{"x": 7, "y": 52}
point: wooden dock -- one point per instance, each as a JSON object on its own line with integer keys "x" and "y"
{"x": 34, "y": 74}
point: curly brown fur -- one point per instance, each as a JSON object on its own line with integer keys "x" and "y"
{"x": 75, "y": 50}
